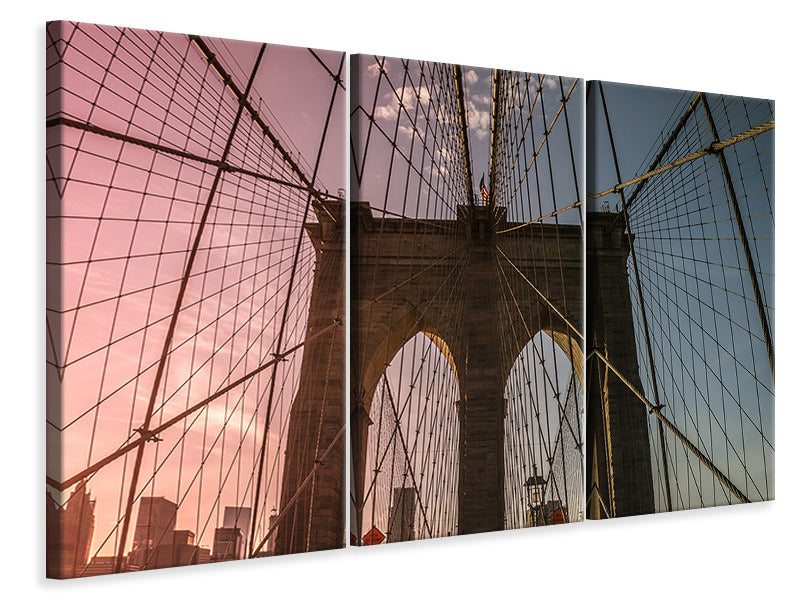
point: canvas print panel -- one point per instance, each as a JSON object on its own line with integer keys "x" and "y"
{"x": 195, "y": 299}
{"x": 466, "y": 300}
{"x": 681, "y": 300}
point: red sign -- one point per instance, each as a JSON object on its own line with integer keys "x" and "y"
{"x": 373, "y": 536}
{"x": 557, "y": 518}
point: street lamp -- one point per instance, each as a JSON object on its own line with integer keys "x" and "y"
{"x": 535, "y": 484}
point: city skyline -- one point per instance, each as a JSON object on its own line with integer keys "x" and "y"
{"x": 157, "y": 542}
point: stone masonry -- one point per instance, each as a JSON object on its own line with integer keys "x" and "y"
{"x": 316, "y": 519}
{"x": 442, "y": 278}
{"x": 618, "y": 459}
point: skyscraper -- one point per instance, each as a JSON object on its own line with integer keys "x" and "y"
{"x": 69, "y": 533}
{"x": 227, "y": 543}
{"x": 271, "y": 541}
{"x": 239, "y": 517}
{"x": 178, "y": 551}
{"x": 401, "y": 520}
{"x": 155, "y": 526}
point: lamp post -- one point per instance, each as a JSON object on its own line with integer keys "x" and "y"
{"x": 535, "y": 484}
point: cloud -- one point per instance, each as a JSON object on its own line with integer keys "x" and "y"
{"x": 387, "y": 111}
{"x": 408, "y": 95}
{"x": 406, "y": 130}
{"x": 479, "y": 120}
{"x": 471, "y": 77}
{"x": 443, "y": 154}
{"x": 373, "y": 69}
{"x": 550, "y": 82}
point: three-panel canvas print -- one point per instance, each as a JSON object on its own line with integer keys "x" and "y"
{"x": 300, "y": 300}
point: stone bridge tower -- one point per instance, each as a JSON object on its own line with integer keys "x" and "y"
{"x": 444, "y": 278}
{"x": 405, "y": 276}
{"x": 315, "y": 516}
{"x": 618, "y": 469}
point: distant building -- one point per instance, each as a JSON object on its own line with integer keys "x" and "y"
{"x": 69, "y": 533}
{"x": 155, "y": 526}
{"x": 183, "y": 537}
{"x": 401, "y": 516}
{"x": 227, "y": 544}
{"x": 238, "y": 516}
{"x": 180, "y": 552}
{"x": 203, "y": 555}
{"x": 271, "y": 541}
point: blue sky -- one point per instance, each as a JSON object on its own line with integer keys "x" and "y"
{"x": 710, "y": 358}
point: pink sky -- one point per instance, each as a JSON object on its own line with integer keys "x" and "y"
{"x": 128, "y": 216}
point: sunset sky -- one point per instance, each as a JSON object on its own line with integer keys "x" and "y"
{"x": 121, "y": 221}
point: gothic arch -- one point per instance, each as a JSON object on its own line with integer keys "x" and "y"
{"x": 405, "y": 274}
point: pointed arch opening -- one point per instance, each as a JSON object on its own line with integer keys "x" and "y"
{"x": 543, "y": 447}
{"x": 411, "y": 453}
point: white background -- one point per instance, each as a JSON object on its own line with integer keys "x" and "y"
{"x": 743, "y": 48}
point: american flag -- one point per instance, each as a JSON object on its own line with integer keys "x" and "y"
{"x": 484, "y": 192}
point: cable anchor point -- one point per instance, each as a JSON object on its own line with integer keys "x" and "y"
{"x": 147, "y": 435}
